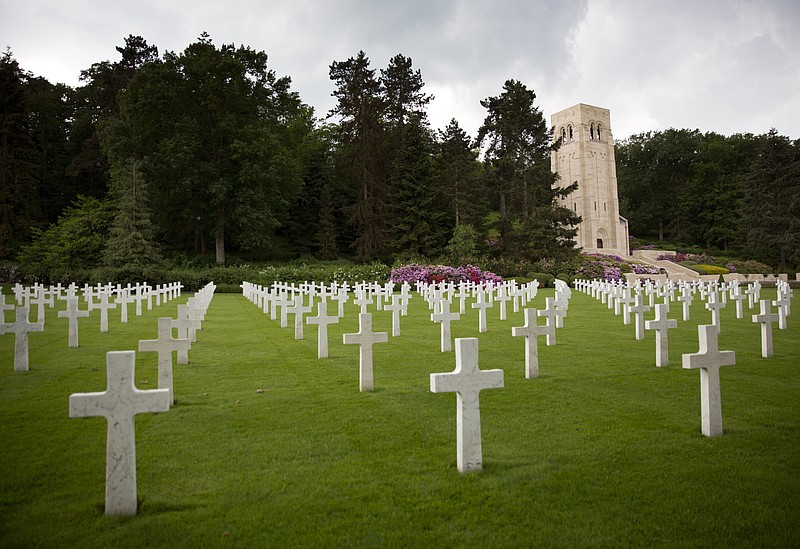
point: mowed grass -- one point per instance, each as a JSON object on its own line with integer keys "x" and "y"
{"x": 267, "y": 446}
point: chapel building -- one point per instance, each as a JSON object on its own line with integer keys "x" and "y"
{"x": 586, "y": 156}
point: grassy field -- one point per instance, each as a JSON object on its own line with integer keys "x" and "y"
{"x": 267, "y": 446}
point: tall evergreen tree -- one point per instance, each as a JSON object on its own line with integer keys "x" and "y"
{"x": 458, "y": 176}
{"x": 361, "y": 108}
{"x": 517, "y": 149}
{"x": 415, "y": 221}
{"x": 19, "y": 159}
{"x": 772, "y": 201}
{"x": 131, "y": 245}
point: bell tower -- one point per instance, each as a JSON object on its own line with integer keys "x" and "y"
{"x": 586, "y": 156}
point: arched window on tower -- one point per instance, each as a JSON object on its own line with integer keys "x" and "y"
{"x": 570, "y": 134}
{"x": 564, "y": 135}
{"x": 598, "y": 132}
{"x": 591, "y": 132}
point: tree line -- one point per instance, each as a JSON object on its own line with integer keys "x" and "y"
{"x": 207, "y": 152}
{"x": 738, "y": 194}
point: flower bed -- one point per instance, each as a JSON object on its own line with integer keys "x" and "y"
{"x": 430, "y": 274}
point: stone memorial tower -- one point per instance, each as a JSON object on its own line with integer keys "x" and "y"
{"x": 586, "y": 156}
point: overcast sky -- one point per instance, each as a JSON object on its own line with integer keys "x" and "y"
{"x": 727, "y": 66}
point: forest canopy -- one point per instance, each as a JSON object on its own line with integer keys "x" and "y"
{"x": 208, "y": 152}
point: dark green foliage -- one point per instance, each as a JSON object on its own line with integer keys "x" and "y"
{"x": 362, "y": 156}
{"x": 458, "y": 176}
{"x": 518, "y": 146}
{"x": 772, "y": 201}
{"x": 463, "y": 246}
{"x": 415, "y": 223}
{"x": 19, "y": 159}
{"x": 76, "y": 242}
{"x": 130, "y": 245}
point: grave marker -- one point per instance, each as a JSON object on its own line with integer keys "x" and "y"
{"x": 467, "y": 381}
{"x": 766, "y": 318}
{"x": 709, "y": 359}
{"x": 444, "y": 317}
{"x": 73, "y": 314}
{"x": 119, "y": 403}
{"x": 164, "y": 346}
{"x": 365, "y": 338}
{"x": 21, "y": 327}
{"x": 322, "y": 320}
{"x": 661, "y": 324}
{"x": 530, "y": 331}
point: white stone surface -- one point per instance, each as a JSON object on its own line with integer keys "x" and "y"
{"x": 298, "y": 310}
{"x": 481, "y": 304}
{"x": 444, "y": 317}
{"x": 467, "y": 381}
{"x": 661, "y": 324}
{"x": 119, "y": 403}
{"x": 638, "y": 310}
{"x": 21, "y": 327}
{"x": 104, "y": 305}
{"x": 709, "y": 359}
{"x": 164, "y": 346}
{"x": 365, "y": 338}
{"x": 766, "y": 318}
{"x": 530, "y": 331}
{"x": 73, "y": 314}
{"x": 322, "y": 320}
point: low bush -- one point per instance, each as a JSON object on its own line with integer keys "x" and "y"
{"x": 545, "y": 280}
{"x": 710, "y": 269}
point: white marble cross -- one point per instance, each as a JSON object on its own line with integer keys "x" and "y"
{"x": 530, "y": 331}
{"x": 73, "y": 314}
{"x": 661, "y": 324}
{"x": 766, "y": 318}
{"x": 715, "y": 305}
{"x": 686, "y": 299}
{"x": 104, "y": 306}
{"x": 502, "y": 297}
{"x": 123, "y": 298}
{"x": 467, "y": 381}
{"x": 639, "y": 309}
{"x": 444, "y": 317}
{"x": 709, "y": 360}
{"x": 322, "y": 320}
{"x": 396, "y": 308}
{"x": 782, "y": 303}
{"x": 164, "y": 346}
{"x": 549, "y": 312}
{"x": 481, "y": 304}
{"x": 738, "y": 297}
{"x": 625, "y": 301}
{"x": 362, "y": 300}
{"x": 298, "y": 310}
{"x": 40, "y": 300}
{"x": 119, "y": 403}
{"x": 365, "y": 338}
{"x": 21, "y": 327}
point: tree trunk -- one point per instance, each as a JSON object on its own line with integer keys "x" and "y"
{"x": 220, "y": 243}
{"x": 661, "y": 230}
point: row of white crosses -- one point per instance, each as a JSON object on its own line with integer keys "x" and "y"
{"x": 467, "y": 380}
{"x": 39, "y": 296}
{"x": 709, "y": 358}
{"x": 121, "y": 401}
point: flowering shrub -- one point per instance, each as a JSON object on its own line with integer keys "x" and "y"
{"x": 430, "y": 274}
{"x": 641, "y": 269}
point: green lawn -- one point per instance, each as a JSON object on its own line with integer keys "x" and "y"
{"x": 267, "y": 446}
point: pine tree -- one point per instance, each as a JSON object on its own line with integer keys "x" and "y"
{"x": 362, "y": 152}
{"x": 772, "y": 201}
{"x": 415, "y": 221}
{"x": 19, "y": 159}
{"x": 131, "y": 245}
{"x": 458, "y": 176}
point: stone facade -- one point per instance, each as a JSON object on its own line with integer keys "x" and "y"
{"x": 586, "y": 156}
